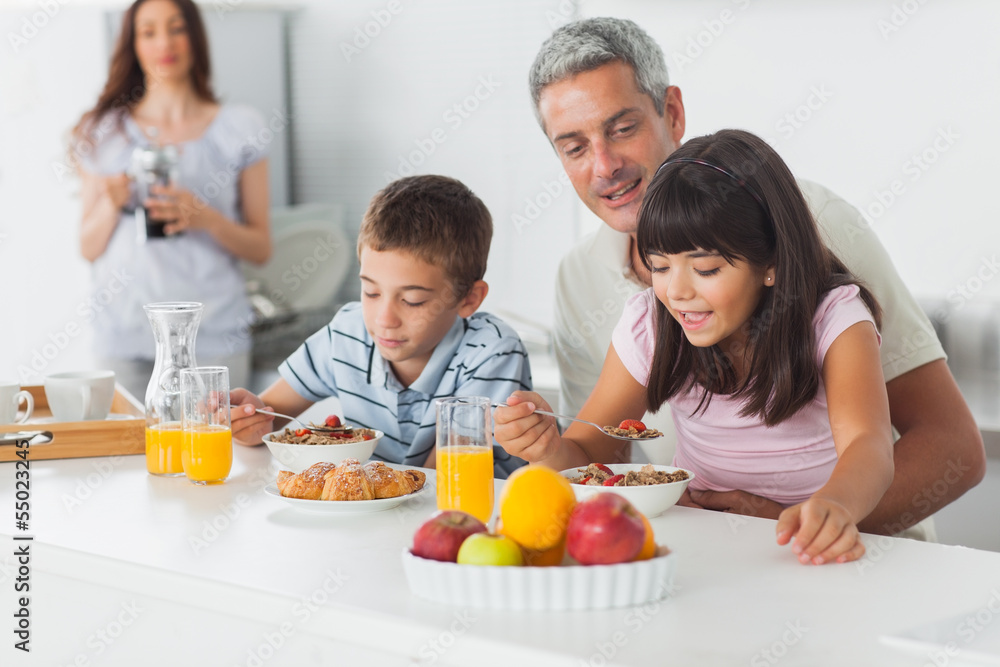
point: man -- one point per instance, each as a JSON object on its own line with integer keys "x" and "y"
{"x": 603, "y": 99}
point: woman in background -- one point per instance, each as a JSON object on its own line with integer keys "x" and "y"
{"x": 159, "y": 92}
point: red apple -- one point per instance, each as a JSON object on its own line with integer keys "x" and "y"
{"x": 605, "y": 529}
{"x": 441, "y": 536}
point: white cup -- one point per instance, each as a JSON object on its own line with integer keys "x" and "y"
{"x": 10, "y": 400}
{"x": 80, "y": 395}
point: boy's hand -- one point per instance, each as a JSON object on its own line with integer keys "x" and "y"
{"x": 248, "y": 425}
{"x": 823, "y": 531}
{"x": 523, "y": 433}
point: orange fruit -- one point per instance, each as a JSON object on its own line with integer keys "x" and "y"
{"x": 545, "y": 557}
{"x": 535, "y": 504}
{"x": 534, "y": 557}
{"x": 649, "y": 546}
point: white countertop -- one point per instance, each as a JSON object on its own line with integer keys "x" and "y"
{"x": 129, "y": 569}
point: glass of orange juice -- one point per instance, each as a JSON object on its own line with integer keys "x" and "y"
{"x": 207, "y": 454}
{"x": 464, "y": 457}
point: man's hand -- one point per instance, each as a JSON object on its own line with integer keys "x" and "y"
{"x": 736, "y": 502}
{"x": 686, "y": 501}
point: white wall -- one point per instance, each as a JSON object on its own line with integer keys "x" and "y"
{"x": 892, "y": 86}
{"x": 46, "y": 83}
{"x": 887, "y": 98}
{"x": 441, "y": 87}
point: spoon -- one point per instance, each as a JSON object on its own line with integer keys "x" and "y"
{"x": 318, "y": 429}
{"x": 17, "y": 436}
{"x": 582, "y": 421}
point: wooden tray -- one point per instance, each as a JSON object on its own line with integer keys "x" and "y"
{"x": 106, "y": 437}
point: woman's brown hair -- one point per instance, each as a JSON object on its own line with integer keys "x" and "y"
{"x": 126, "y": 84}
{"x": 730, "y": 193}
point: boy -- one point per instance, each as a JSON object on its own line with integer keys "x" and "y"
{"x": 414, "y": 337}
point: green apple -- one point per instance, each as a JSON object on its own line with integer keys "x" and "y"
{"x": 486, "y": 549}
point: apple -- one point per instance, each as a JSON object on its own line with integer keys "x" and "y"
{"x": 604, "y": 529}
{"x": 441, "y": 536}
{"x": 487, "y": 549}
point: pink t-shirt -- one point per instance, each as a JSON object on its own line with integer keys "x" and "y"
{"x": 787, "y": 462}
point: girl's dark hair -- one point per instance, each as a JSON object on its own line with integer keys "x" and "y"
{"x": 126, "y": 84}
{"x": 691, "y": 205}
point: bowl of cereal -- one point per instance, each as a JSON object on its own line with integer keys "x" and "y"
{"x": 297, "y": 449}
{"x": 651, "y": 489}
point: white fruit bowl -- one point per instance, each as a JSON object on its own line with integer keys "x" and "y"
{"x": 565, "y": 587}
{"x": 297, "y": 458}
{"x": 650, "y": 500}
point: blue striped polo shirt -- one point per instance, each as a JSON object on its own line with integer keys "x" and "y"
{"x": 479, "y": 356}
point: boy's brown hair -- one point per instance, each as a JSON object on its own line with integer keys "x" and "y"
{"x": 436, "y": 218}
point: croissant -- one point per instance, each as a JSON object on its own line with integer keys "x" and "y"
{"x": 391, "y": 483}
{"x": 349, "y": 481}
{"x": 307, "y": 485}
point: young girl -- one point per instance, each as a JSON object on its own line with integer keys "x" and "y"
{"x": 760, "y": 340}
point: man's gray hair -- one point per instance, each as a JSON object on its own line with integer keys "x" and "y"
{"x": 585, "y": 45}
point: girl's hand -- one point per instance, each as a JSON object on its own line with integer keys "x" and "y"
{"x": 823, "y": 531}
{"x": 248, "y": 425}
{"x": 523, "y": 433}
{"x": 185, "y": 209}
{"x": 117, "y": 189}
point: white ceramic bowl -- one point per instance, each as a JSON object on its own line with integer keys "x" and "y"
{"x": 541, "y": 588}
{"x": 650, "y": 500}
{"x": 297, "y": 458}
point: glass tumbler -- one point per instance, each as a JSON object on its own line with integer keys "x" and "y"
{"x": 465, "y": 455}
{"x": 207, "y": 455}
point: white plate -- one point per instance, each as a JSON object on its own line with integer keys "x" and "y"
{"x": 345, "y": 506}
{"x": 541, "y": 588}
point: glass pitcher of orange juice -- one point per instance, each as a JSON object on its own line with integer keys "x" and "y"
{"x": 464, "y": 456}
{"x": 175, "y": 325}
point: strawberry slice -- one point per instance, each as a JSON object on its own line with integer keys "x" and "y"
{"x": 632, "y": 423}
{"x": 603, "y": 468}
{"x": 302, "y": 431}
{"x": 333, "y": 421}
{"x": 586, "y": 479}
{"x": 367, "y": 437}
{"x": 611, "y": 481}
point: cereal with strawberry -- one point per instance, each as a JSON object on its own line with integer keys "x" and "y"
{"x": 343, "y": 434}
{"x": 633, "y": 428}
{"x": 598, "y": 474}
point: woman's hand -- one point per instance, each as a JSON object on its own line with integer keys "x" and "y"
{"x": 183, "y": 208}
{"x": 248, "y": 425}
{"x": 823, "y": 531}
{"x": 523, "y": 433}
{"x": 117, "y": 189}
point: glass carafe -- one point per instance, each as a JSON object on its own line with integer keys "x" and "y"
{"x": 175, "y": 325}
{"x": 153, "y": 165}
